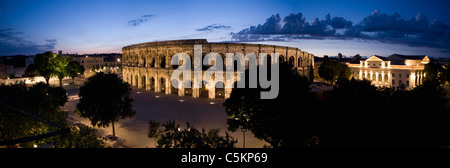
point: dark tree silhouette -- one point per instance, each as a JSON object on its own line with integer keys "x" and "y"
{"x": 172, "y": 136}
{"x": 332, "y": 70}
{"x": 104, "y": 99}
{"x": 280, "y": 121}
{"x": 73, "y": 68}
{"x": 359, "y": 114}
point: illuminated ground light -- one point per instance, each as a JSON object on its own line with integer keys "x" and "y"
{"x": 157, "y": 96}
{"x": 181, "y": 100}
{"x": 212, "y": 103}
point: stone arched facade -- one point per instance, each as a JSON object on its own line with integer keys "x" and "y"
{"x": 147, "y": 65}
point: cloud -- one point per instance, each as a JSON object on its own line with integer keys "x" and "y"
{"x": 416, "y": 31}
{"x": 271, "y": 26}
{"x": 140, "y": 20}
{"x": 214, "y": 27}
{"x": 12, "y": 43}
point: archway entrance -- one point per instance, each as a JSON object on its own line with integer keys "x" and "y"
{"x": 162, "y": 85}
{"x": 152, "y": 84}
{"x": 143, "y": 82}
{"x": 188, "y": 91}
{"x": 204, "y": 90}
{"x": 174, "y": 85}
{"x": 220, "y": 89}
{"x": 136, "y": 81}
{"x": 131, "y": 80}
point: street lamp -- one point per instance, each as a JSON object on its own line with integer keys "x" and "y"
{"x": 243, "y": 131}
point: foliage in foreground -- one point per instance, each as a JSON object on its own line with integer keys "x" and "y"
{"x": 170, "y": 135}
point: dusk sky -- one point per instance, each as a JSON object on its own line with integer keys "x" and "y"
{"x": 370, "y": 27}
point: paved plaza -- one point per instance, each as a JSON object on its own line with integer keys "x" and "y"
{"x": 199, "y": 112}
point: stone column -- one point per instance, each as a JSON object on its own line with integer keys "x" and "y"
{"x": 211, "y": 91}
{"x": 157, "y": 83}
{"x": 195, "y": 92}
{"x": 168, "y": 86}
{"x": 180, "y": 89}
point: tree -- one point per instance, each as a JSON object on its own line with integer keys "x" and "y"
{"x": 359, "y": 114}
{"x": 73, "y": 68}
{"x": 281, "y": 121}
{"x": 39, "y": 99}
{"x": 61, "y": 69}
{"x": 435, "y": 72}
{"x": 104, "y": 99}
{"x": 44, "y": 65}
{"x": 172, "y": 136}
{"x": 80, "y": 136}
{"x": 332, "y": 70}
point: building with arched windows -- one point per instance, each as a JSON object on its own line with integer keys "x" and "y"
{"x": 147, "y": 65}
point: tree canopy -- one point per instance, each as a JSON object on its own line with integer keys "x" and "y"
{"x": 277, "y": 121}
{"x": 170, "y": 135}
{"x": 332, "y": 70}
{"x": 104, "y": 99}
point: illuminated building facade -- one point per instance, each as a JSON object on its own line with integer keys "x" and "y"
{"x": 395, "y": 70}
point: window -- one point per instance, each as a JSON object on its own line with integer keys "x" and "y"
{"x": 407, "y": 75}
{"x": 393, "y": 74}
{"x": 400, "y": 75}
{"x": 407, "y": 83}
{"x": 393, "y": 82}
{"x": 399, "y": 82}
{"x": 386, "y": 64}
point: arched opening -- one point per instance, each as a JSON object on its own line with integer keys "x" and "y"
{"x": 220, "y": 89}
{"x": 152, "y": 84}
{"x": 131, "y": 80}
{"x": 299, "y": 62}
{"x": 177, "y": 60}
{"x": 144, "y": 64}
{"x": 174, "y": 85}
{"x": 143, "y": 82}
{"x": 204, "y": 90}
{"x": 188, "y": 91}
{"x": 152, "y": 62}
{"x": 269, "y": 67}
{"x": 291, "y": 61}
{"x": 281, "y": 59}
{"x": 136, "y": 81}
{"x": 162, "y": 61}
{"x": 162, "y": 85}
{"x": 222, "y": 56}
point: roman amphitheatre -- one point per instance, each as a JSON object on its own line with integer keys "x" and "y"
{"x": 147, "y": 65}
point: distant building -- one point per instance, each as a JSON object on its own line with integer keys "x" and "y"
{"x": 395, "y": 70}
{"x": 14, "y": 66}
{"x": 91, "y": 64}
{"x": 112, "y": 63}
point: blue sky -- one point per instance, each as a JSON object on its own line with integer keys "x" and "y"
{"x": 97, "y": 26}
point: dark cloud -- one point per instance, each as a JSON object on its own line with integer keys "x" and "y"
{"x": 12, "y": 43}
{"x": 214, "y": 27}
{"x": 340, "y": 22}
{"x": 382, "y": 22}
{"x": 140, "y": 20}
{"x": 271, "y": 26}
{"x": 417, "y": 31}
